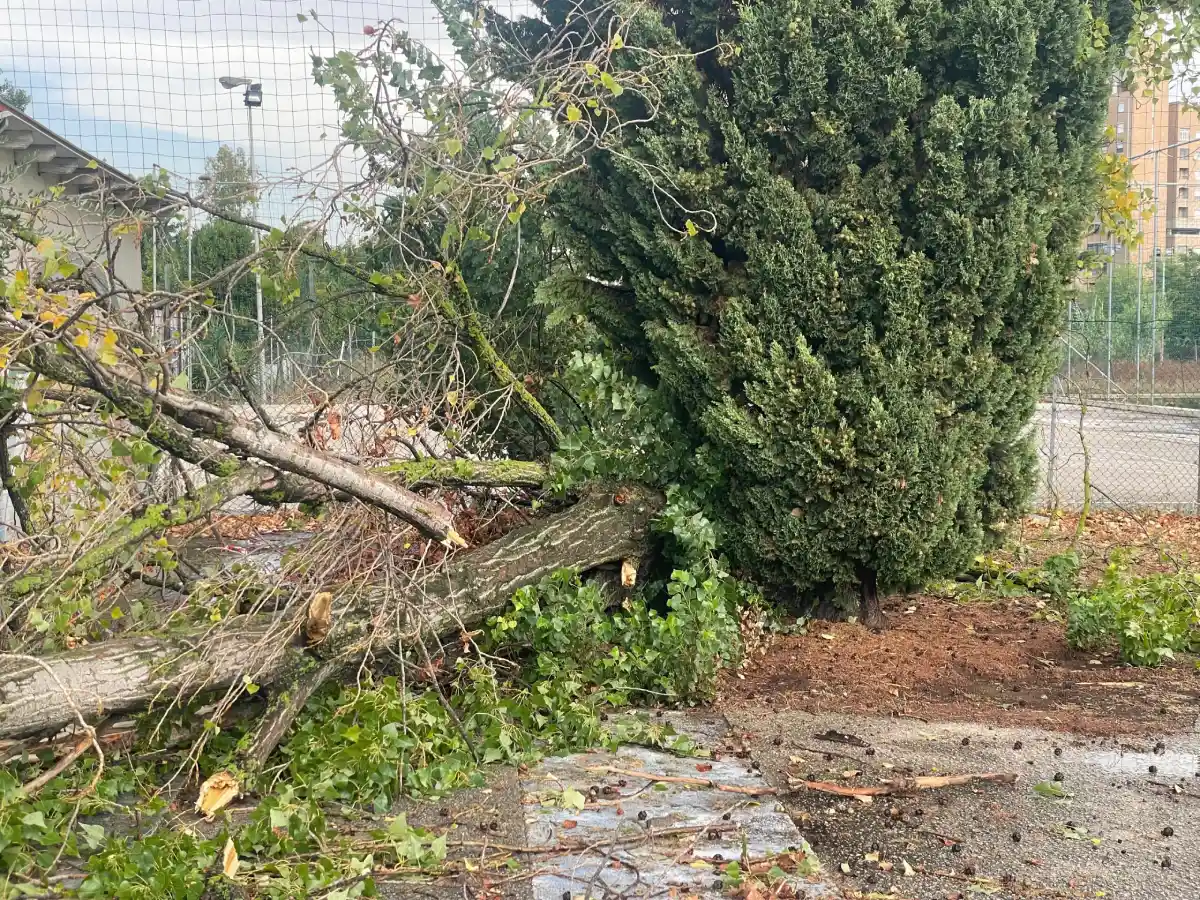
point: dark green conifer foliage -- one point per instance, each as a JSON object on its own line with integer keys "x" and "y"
{"x": 841, "y": 248}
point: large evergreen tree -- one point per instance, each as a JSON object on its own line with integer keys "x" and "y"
{"x": 838, "y": 251}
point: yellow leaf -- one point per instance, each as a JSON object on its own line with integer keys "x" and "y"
{"x": 320, "y": 617}
{"x": 44, "y": 246}
{"x": 229, "y": 859}
{"x": 454, "y": 538}
{"x": 451, "y": 397}
{"x": 628, "y": 573}
{"x": 108, "y": 357}
{"x": 573, "y": 113}
{"x": 82, "y": 340}
{"x": 216, "y": 793}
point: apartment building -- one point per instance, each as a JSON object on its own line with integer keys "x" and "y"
{"x": 1161, "y": 138}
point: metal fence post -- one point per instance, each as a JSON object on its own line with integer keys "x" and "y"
{"x": 1052, "y": 462}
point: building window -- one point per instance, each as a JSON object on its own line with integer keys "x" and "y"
{"x": 1184, "y": 153}
{"x": 1185, "y": 134}
{"x": 1183, "y": 174}
{"x": 1183, "y": 193}
{"x": 1120, "y": 146}
{"x": 1120, "y": 128}
{"x": 1120, "y": 107}
{"x": 1183, "y": 213}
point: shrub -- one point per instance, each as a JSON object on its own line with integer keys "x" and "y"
{"x": 849, "y": 300}
{"x": 1151, "y": 617}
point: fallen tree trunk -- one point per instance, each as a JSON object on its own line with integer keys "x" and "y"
{"x": 42, "y": 695}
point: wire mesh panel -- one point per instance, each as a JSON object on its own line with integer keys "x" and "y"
{"x": 1121, "y": 423}
{"x": 218, "y": 107}
{"x": 196, "y": 120}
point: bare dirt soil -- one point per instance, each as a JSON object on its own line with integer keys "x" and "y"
{"x": 977, "y": 661}
{"x": 999, "y": 661}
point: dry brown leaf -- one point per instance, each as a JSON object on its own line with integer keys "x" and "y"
{"x": 229, "y": 859}
{"x": 320, "y": 618}
{"x": 628, "y": 573}
{"x": 569, "y": 823}
{"x": 216, "y": 793}
{"x": 334, "y": 418}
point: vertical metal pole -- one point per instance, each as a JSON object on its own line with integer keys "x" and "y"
{"x": 154, "y": 256}
{"x": 1154, "y": 271}
{"x": 1141, "y": 274}
{"x": 1070, "y": 350}
{"x": 1111, "y": 260}
{"x": 1052, "y": 463}
{"x": 258, "y": 298}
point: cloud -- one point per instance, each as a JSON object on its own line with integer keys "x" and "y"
{"x": 137, "y": 85}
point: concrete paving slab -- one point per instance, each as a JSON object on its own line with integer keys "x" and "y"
{"x": 627, "y": 805}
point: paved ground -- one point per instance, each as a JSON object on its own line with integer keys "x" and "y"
{"x": 1121, "y": 830}
{"x": 1104, "y": 839}
{"x": 1143, "y": 457}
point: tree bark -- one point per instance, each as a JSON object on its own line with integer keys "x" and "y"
{"x": 870, "y": 613}
{"x": 120, "y": 676}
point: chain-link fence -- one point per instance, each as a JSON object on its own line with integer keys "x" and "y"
{"x": 216, "y": 103}
{"x": 1122, "y": 416}
{"x": 177, "y": 126}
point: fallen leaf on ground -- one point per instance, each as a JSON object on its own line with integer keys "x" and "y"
{"x": 573, "y": 799}
{"x": 569, "y": 823}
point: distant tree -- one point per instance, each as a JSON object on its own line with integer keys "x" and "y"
{"x": 1181, "y": 336}
{"x": 230, "y": 187}
{"x": 13, "y": 96}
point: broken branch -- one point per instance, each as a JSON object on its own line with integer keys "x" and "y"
{"x": 902, "y": 786}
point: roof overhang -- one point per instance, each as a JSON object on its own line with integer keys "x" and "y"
{"x": 59, "y": 162}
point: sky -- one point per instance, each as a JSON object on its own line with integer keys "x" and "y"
{"x": 135, "y": 81}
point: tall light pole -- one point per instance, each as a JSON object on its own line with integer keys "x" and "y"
{"x": 252, "y": 97}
